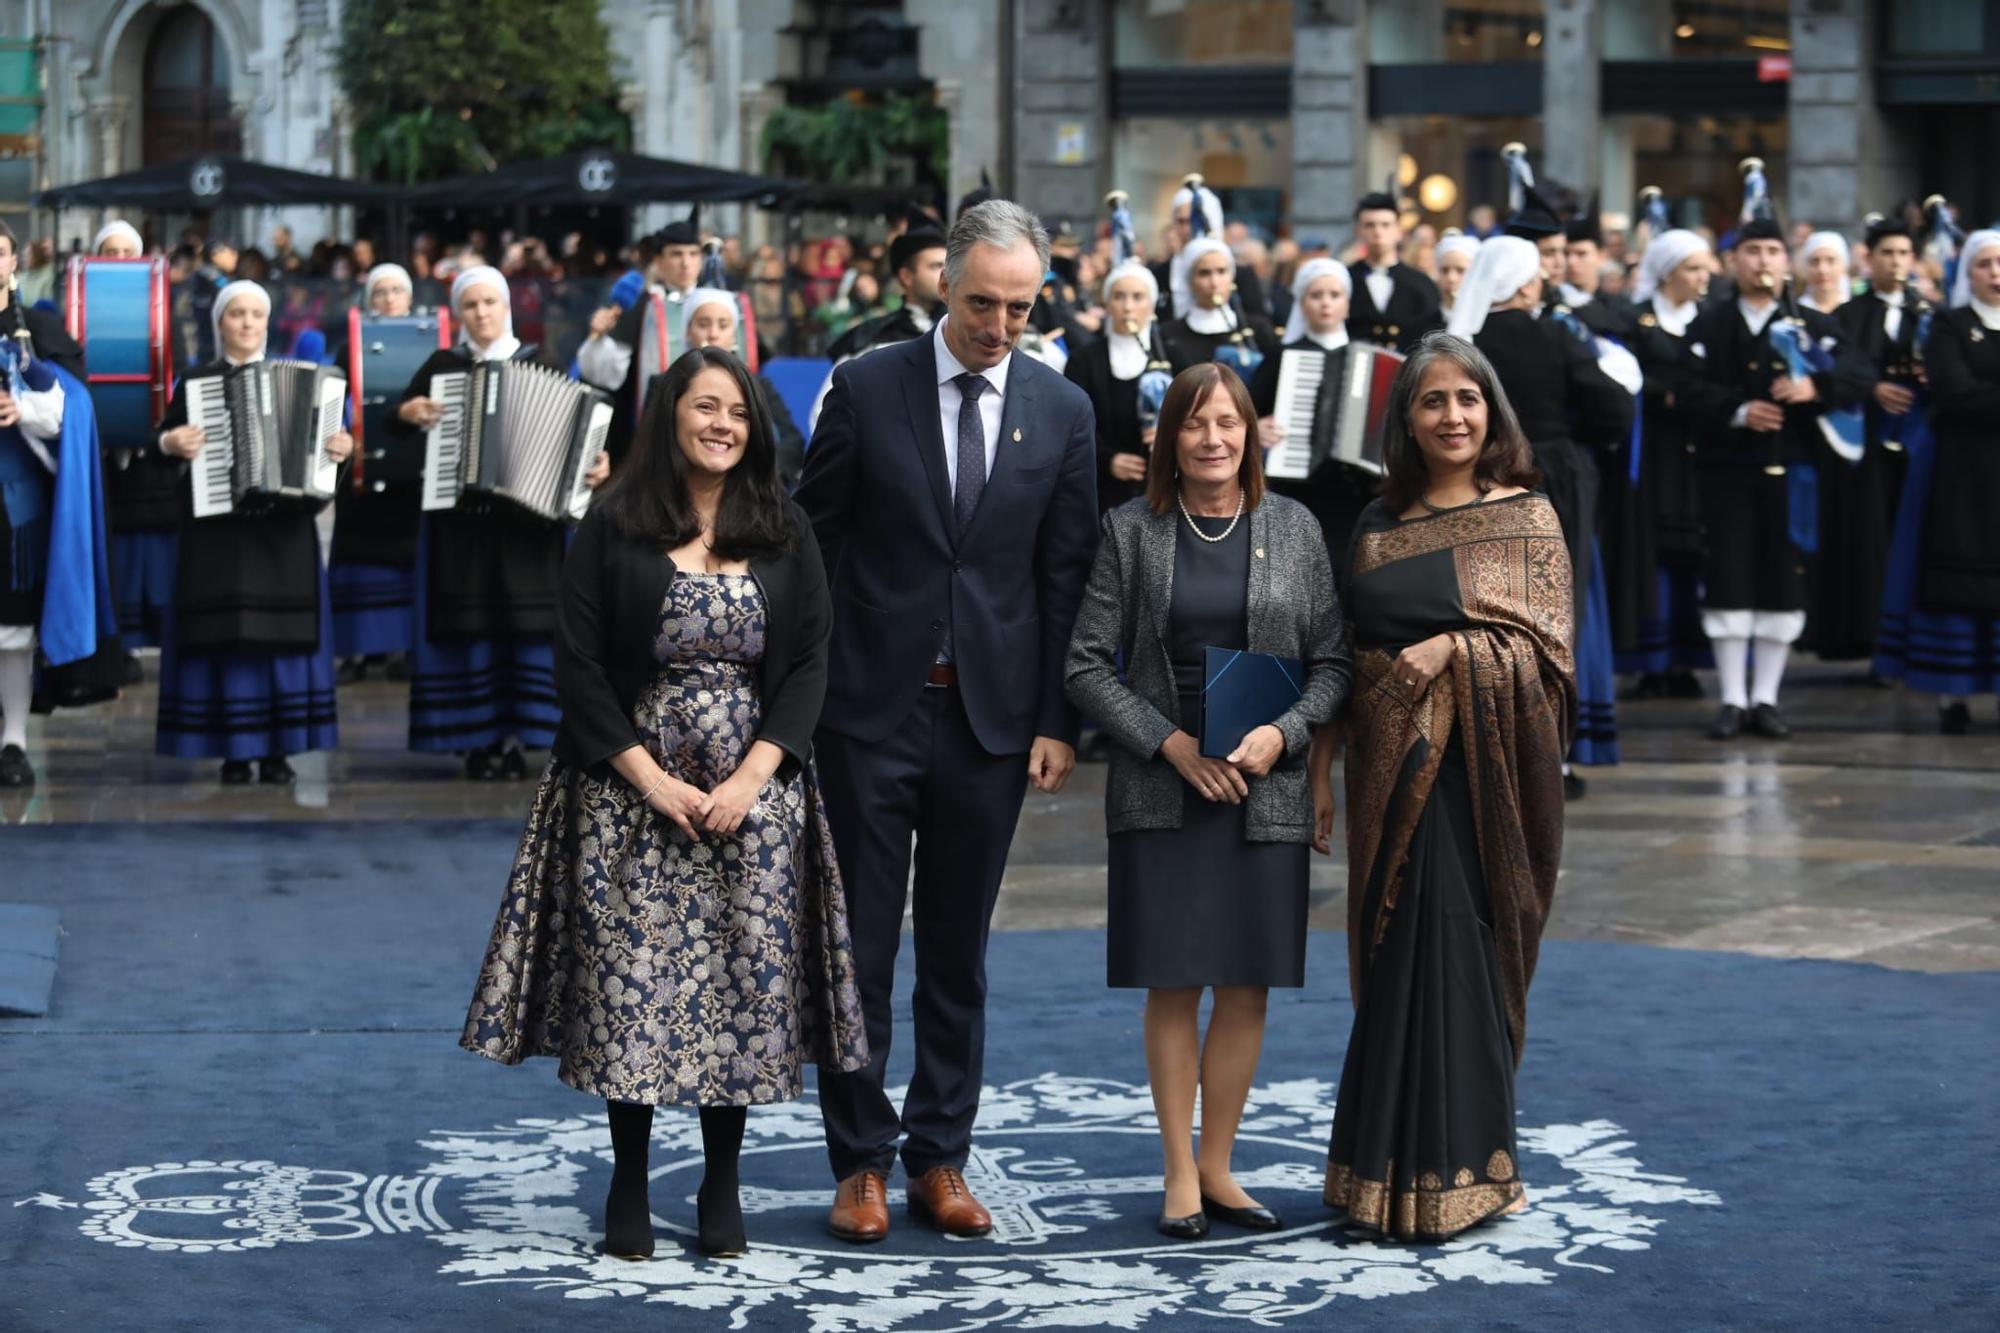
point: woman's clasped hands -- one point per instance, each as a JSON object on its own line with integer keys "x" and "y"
{"x": 695, "y": 811}
{"x": 1225, "y": 779}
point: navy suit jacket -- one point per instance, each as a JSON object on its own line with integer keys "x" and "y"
{"x": 878, "y": 494}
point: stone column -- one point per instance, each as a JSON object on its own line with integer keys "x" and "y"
{"x": 108, "y": 118}
{"x": 1062, "y": 107}
{"x": 1329, "y": 114}
{"x": 1845, "y": 158}
{"x": 958, "y": 50}
{"x": 1572, "y": 67}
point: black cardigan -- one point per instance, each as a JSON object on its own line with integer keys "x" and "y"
{"x": 608, "y": 615}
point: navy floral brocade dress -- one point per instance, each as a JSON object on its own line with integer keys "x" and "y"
{"x": 664, "y": 971}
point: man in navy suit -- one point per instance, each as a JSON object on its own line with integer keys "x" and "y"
{"x": 952, "y": 485}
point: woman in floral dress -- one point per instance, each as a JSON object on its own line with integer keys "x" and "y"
{"x": 674, "y": 931}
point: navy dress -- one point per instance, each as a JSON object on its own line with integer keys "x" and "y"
{"x": 659, "y": 970}
{"x": 1200, "y": 905}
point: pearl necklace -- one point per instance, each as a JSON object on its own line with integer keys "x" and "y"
{"x": 1196, "y": 527}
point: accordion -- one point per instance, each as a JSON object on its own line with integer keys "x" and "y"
{"x": 267, "y": 424}
{"x": 515, "y": 431}
{"x": 1332, "y": 409}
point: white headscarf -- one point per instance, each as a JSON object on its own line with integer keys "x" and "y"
{"x": 486, "y": 275}
{"x": 1665, "y": 253}
{"x": 225, "y": 298}
{"x": 1138, "y": 272}
{"x": 1460, "y": 244}
{"x": 118, "y": 227}
{"x": 1827, "y": 240}
{"x": 702, "y": 296}
{"x": 1310, "y": 272}
{"x": 1503, "y": 266}
{"x": 1178, "y": 272}
{"x": 1961, "y": 286}
{"x": 387, "y": 273}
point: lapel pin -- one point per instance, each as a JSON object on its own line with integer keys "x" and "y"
{"x": 1260, "y": 553}
{"x": 1017, "y": 434}
{"x": 1978, "y": 336}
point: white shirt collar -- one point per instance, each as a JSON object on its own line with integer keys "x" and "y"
{"x": 1989, "y": 315}
{"x": 1331, "y": 342}
{"x": 499, "y": 349}
{"x": 1574, "y": 296}
{"x": 1894, "y": 296}
{"x": 1130, "y": 353}
{"x": 950, "y": 368}
{"x": 249, "y": 361}
{"x": 1212, "y": 319}
{"x": 1673, "y": 318}
{"x": 1756, "y": 319}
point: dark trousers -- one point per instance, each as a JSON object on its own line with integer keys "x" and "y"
{"x": 929, "y": 779}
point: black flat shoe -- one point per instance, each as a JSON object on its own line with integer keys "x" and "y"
{"x": 131, "y": 671}
{"x": 15, "y": 770}
{"x": 1254, "y": 1218}
{"x": 275, "y": 772}
{"x": 628, "y": 1221}
{"x": 719, "y": 1227}
{"x": 1954, "y": 719}
{"x": 350, "y": 670}
{"x": 236, "y": 772}
{"x": 1683, "y": 684}
{"x": 1192, "y": 1227}
{"x": 1574, "y": 787}
{"x": 1768, "y": 722}
{"x": 482, "y": 765}
{"x": 398, "y": 667}
{"x": 1728, "y": 724}
{"x": 1652, "y": 685}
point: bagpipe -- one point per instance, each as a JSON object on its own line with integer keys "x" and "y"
{"x": 1844, "y": 428}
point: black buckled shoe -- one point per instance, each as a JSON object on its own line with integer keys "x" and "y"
{"x": 275, "y": 772}
{"x": 513, "y": 763}
{"x": 236, "y": 772}
{"x": 1728, "y": 724}
{"x": 1954, "y": 719}
{"x": 1683, "y": 684}
{"x": 482, "y": 764}
{"x": 1768, "y": 722}
{"x": 15, "y": 770}
{"x": 1574, "y": 787}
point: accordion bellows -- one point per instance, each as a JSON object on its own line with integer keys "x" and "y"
{"x": 515, "y": 431}
{"x": 267, "y": 426}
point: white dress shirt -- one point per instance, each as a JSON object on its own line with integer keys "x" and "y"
{"x": 1892, "y": 317}
{"x": 1758, "y": 321}
{"x": 1331, "y": 342}
{"x": 1674, "y": 318}
{"x": 1381, "y": 286}
{"x": 1988, "y": 315}
{"x": 1130, "y": 354}
{"x": 949, "y": 398}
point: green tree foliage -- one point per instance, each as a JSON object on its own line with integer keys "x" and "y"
{"x": 441, "y": 87}
{"x": 852, "y": 140}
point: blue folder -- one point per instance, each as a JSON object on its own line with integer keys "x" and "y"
{"x": 1241, "y": 691}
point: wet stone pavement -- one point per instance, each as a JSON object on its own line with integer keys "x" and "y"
{"x": 1866, "y": 837}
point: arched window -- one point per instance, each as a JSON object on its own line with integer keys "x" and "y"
{"x": 187, "y": 90}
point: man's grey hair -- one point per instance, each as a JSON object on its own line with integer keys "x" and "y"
{"x": 1001, "y": 223}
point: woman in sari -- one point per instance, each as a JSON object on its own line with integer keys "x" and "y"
{"x": 1462, "y": 614}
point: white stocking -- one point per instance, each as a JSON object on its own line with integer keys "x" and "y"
{"x": 17, "y": 685}
{"x": 1732, "y": 666}
{"x": 1770, "y": 670}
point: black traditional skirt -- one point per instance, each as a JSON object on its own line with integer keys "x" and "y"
{"x": 1423, "y": 1132}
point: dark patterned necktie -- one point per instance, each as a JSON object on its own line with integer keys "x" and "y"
{"x": 971, "y": 450}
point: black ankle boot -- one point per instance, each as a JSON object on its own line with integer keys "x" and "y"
{"x": 718, "y": 1210}
{"x": 628, "y": 1216}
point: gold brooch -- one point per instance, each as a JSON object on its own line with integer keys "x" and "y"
{"x": 1979, "y": 335}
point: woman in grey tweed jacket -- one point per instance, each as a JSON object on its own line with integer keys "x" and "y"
{"x": 1207, "y": 858}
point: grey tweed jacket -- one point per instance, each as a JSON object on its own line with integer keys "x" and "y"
{"x": 1293, "y": 611}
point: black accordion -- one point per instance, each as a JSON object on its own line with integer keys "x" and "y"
{"x": 515, "y": 431}
{"x": 267, "y": 426}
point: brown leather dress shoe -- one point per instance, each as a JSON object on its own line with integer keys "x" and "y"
{"x": 940, "y": 1197}
{"x": 861, "y": 1208}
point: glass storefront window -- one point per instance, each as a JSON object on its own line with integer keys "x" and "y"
{"x": 1696, "y": 29}
{"x": 1157, "y": 34}
{"x": 1429, "y": 32}
{"x": 1247, "y": 162}
{"x": 1935, "y": 27}
{"x": 1449, "y": 167}
{"x": 1694, "y": 159}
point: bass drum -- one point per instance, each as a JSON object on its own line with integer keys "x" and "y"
{"x": 384, "y": 353}
{"x": 117, "y": 309}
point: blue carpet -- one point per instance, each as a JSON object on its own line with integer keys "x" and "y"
{"x": 247, "y": 1109}
{"x": 28, "y": 951}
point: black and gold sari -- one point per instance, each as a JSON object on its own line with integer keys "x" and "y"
{"x": 1454, "y": 831}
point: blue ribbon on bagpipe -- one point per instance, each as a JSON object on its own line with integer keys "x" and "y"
{"x": 1844, "y": 428}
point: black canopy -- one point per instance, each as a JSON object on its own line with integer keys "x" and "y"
{"x": 214, "y": 181}
{"x": 600, "y": 176}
